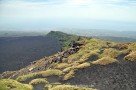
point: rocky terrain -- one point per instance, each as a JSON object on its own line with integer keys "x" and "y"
{"x": 83, "y": 64}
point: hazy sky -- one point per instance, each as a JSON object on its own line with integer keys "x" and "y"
{"x": 85, "y": 14}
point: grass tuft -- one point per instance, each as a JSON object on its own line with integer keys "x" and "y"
{"x": 9, "y": 84}
{"x": 131, "y": 56}
{"x": 132, "y": 47}
{"x": 38, "y": 81}
{"x": 62, "y": 65}
{"x": 69, "y": 75}
{"x": 105, "y": 61}
{"x": 113, "y": 53}
{"x": 83, "y": 65}
{"x": 24, "y": 78}
{"x": 51, "y": 72}
{"x": 67, "y": 69}
{"x": 46, "y": 73}
{"x": 69, "y": 87}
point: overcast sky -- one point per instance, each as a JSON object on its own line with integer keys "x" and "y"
{"x": 85, "y": 14}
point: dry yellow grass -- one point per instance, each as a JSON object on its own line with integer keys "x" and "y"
{"x": 105, "y": 61}
{"x": 38, "y": 81}
{"x": 51, "y": 72}
{"x": 26, "y": 77}
{"x": 69, "y": 87}
{"x": 83, "y": 65}
{"x": 132, "y": 47}
{"x": 131, "y": 56}
{"x": 62, "y": 65}
{"x": 126, "y": 51}
{"x": 113, "y": 53}
{"x": 69, "y": 75}
{"x": 67, "y": 69}
{"x": 89, "y": 49}
{"x": 88, "y": 55}
{"x": 121, "y": 46}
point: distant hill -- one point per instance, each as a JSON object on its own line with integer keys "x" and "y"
{"x": 116, "y": 39}
{"x": 100, "y": 32}
{"x": 65, "y": 39}
{"x": 5, "y": 33}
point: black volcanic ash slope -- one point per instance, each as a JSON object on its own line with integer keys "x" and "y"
{"x": 18, "y": 52}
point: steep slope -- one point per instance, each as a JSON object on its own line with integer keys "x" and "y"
{"x": 20, "y": 51}
{"x": 89, "y": 63}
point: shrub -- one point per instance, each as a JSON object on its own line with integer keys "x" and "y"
{"x": 9, "y": 84}
{"x": 51, "y": 72}
{"x": 105, "y": 61}
{"x": 131, "y": 56}
{"x": 24, "y": 78}
{"x": 38, "y": 81}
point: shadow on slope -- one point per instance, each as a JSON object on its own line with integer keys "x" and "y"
{"x": 18, "y": 52}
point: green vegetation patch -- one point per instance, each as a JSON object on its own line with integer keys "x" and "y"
{"x": 9, "y": 84}
{"x": 46, "y": 73}
{"x": 51, "y": 72}
{"x": 24, "y": 78}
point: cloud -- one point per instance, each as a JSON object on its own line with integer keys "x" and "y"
{"x": 74, "y": 2}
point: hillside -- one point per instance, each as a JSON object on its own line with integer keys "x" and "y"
{"x": 85, "y": 64}
{"x": 20, "y": 51}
